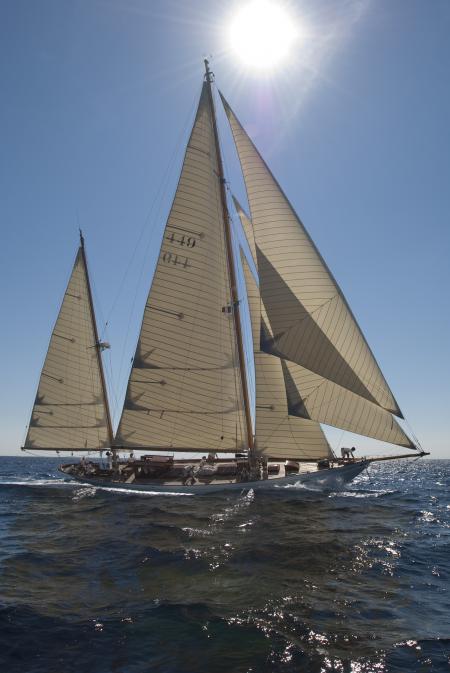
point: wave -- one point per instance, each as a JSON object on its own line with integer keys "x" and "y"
{"x": 129, "y": 491}
{"x": 361, "y": 494}
{"x": 38, "y": 482}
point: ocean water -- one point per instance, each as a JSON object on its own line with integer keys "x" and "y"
{"x": 101, "y": 582}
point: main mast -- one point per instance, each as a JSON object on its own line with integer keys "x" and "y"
{"x": 231, "y": 266}
{"x": 97, "y": 344}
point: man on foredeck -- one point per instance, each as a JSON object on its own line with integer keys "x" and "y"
{"x": 347, "y": 454}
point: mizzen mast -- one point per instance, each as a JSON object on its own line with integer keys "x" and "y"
{"x": 231, "y": 266}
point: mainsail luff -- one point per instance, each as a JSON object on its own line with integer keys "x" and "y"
{"x": 71, "y": 410}
{"x": 184, "y": 387}
{"x": 311, "y": 320}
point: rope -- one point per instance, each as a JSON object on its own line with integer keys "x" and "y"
{"x": 158, "y": 197}
{"x": 414, "y": 436}
{"x": 153, "y": 214}
{"x": 340, "y": 440}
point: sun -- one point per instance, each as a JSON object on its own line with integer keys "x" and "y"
{"x": 262, "y": 34}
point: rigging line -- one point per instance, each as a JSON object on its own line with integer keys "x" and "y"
{"x": 340, "y": 440}
{"x": 161, "y": 193}
{"x": 238, "y": 387}
{"x": 162, "y": 187}
{"x": 414, "y": 436}
{"x": 112, "y": 393}
{"x": 221, "y": 251}
{"x": 246, "y": 325}
{"x": 229, "y": 325}
{"x": 97, "y": 377}
{"x": 237, "y": 390}
{"x": 111, "y": 396}
{"x": 244, "y": 385}
{"x": 224, "y": 273}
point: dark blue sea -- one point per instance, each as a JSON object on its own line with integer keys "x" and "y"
{"x": 101, "y": 582}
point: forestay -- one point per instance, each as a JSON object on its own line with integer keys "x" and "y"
{"x": 278, "y": 435}
{"x": 184, "y": 390}
{"x": 70, "y": 407}
{"x": 311, "y": 321}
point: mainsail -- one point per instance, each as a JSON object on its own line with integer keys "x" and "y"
{"x": 71, "y": 408}
{"x": 312, "y": 323}
{"x": 309, "y": 395}
{"x": 278, "y": 434}
{"x": 184, "y": 390}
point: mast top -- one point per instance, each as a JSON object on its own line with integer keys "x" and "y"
{"x": 81, "y": 239}
{"x": 209, "y": 76}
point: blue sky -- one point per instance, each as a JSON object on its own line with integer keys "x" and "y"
{"x": 97, "y": 101}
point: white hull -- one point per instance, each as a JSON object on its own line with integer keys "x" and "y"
{"x": 329, "y": 479}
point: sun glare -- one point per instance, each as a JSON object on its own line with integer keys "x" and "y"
{"x": 262, "y": 34}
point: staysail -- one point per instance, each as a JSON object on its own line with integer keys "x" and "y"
{"x": 184, "y": 390}
{"x": 312, "y": 323}
{"x": 309, "y": 395}
{"x": 71, "y": 408}
{"x": 277, "y": 434}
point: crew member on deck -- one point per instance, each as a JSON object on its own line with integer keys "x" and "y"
{"x": 347, "y": 454}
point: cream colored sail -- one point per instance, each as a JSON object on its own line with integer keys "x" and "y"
{"x": 311, "y": 396}
{"x": 248, "y": 229}
{"x": 184, "y": 391}
{"x": 70, "y": 407}
{"x": 311, "y": 321}
{"x": 277, "y": 434}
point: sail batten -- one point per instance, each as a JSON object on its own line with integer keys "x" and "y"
{"x": 304, "y": 303}
{"x": 70, "y": 411}
{"x": 187, "y": 340}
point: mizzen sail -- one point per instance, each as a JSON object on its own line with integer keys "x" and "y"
{"x": 71, "y": 408}
{"x": 312, "y": 323}
{"x": 184, "y": 390}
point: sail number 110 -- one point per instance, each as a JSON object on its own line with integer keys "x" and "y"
{"x": 171, "y": 258}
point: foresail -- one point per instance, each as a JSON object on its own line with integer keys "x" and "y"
{"x": 184, "y": 391}
{"x": 311, "y": 321}
{"x": 278, "y": 435}
{"x": 70, "y": 407}
{"x": 311, "y": 396}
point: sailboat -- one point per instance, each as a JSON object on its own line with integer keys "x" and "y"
{"x": 188, "y": 389}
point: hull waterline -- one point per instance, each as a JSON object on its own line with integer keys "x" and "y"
{"x": 329, "y": 479}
